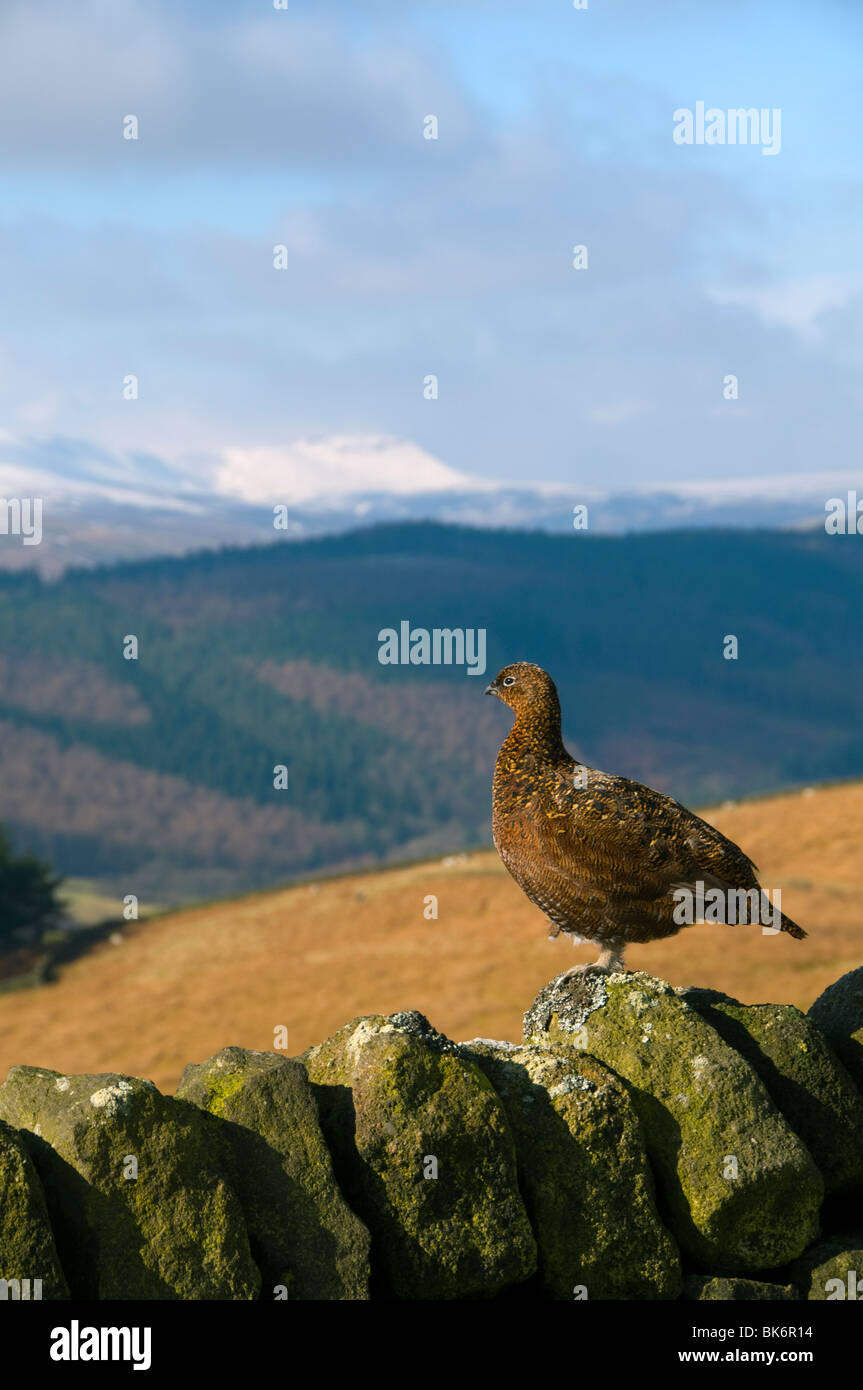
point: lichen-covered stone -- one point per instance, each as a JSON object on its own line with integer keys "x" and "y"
{"x": 139, "y": 1203}
{"x": 583, "y": 1172}
{"x": 831, "y": 1270}
{"x": 425, "y": 1155}
{"x": 802, "y": 1075}
{"x": 703, "y": 1289}
{"x": 838, "y": 1012}
{"x": 741, "y": 1191}
{"x": 304, "y": 1236}
{"x": 27, "y": 1250}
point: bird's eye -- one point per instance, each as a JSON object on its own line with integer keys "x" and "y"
{"x": 509, "y": 680}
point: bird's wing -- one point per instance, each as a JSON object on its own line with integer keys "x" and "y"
{"x": 637, "y": 841}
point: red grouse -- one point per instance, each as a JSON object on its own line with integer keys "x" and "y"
{"x": 601, "y": 856}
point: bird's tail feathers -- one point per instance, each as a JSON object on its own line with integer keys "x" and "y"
{"x": 791, "y": 928}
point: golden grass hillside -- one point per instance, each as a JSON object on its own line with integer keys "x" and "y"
{"x": 310, "y": 958}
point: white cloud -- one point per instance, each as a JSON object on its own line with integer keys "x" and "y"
{"x": 247, "y": 88}
{"x": 797, "y": 487}
{"x": 796, "y": 304}
{"x": 331, "y": 467}
{"x": 24, "y": 481}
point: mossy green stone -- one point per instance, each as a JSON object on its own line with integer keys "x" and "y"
{"x": 803, "y": 1076}
{"x": 838, "y": 1012}
{"x": 424, "y": 1153}
{"x": 583, "y": 1172}
{"x": 741, "y": 1193}
{"x": 176, "y": 1230}
{"x": 303, "y": 1234}
{"x": 27, "y": 1249}
{"x": 831, "y": 1270}
{"x": 703, "y": 1289}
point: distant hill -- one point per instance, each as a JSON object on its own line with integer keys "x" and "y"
{"x": 313, "y": 956}
{"x": 155, "y": 776}
{"x": 103, "y": 509}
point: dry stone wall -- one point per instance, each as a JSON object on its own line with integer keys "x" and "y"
{"x": 641, "y": 1142}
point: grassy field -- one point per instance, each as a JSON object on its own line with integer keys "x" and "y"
{"x": 310, "y": 958}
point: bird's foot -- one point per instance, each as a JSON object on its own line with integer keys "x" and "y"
{"x": 609, "y": 963}
{"x": 575, "y": 970}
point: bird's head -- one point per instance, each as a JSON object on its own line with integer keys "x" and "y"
{"x": 525, "y": 688}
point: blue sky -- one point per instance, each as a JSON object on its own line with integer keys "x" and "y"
{"x": 409, "y": 257}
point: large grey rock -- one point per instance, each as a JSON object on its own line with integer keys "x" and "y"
{"x": 838, "y": 1012}
{"x": 584, "y": 1173}
{"x": 303, "y": 1234}
{"x": 832, "y": 1269}
{"x": 29, "y": 1264}
{"x": 425, "y": 1155}
{"x": 176, "y": 1230}
{"x": 802, "y": 1075}
{"x": 706, "y": 1290}
{"x": 741, "y": 1191}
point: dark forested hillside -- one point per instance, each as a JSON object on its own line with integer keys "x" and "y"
{"x": 156, "y": 774}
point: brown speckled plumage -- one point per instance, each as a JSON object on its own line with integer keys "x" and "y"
{"x": 602, "y": 860}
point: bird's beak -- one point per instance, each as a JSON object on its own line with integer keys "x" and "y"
{"x": 490, "y": 689}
